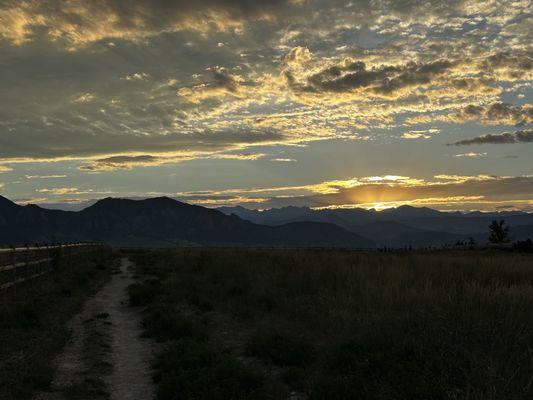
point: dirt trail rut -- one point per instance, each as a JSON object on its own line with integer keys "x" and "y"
{"x": 106, "y": 357}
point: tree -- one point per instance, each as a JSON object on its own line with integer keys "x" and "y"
{"x": 499, "y": 232}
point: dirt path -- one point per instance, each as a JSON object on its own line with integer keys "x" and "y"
{"x": 106, "y": 357}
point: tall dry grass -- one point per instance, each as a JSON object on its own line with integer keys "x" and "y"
{"x": 413, "y": 325}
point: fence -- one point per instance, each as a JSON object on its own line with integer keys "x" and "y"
{"x": 21, "y": 264}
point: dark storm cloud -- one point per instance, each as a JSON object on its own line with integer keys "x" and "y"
{"x": 525, "y": 136}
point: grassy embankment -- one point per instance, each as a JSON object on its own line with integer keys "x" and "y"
{"x": 34, "y": 317}
{"x": 247, "y": 324}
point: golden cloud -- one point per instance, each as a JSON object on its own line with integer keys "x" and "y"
{"x": 387, "y": 190}
{"x": 80, "y": 22}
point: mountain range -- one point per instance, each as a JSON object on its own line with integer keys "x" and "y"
{"x": 163, "y": 221}
{"x": 401, "y": 226}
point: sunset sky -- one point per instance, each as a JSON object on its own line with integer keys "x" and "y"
{"x": 320, "y": 103}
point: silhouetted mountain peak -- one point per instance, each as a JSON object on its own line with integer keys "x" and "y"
{"x": 406, "y": 211}
{"x": 106, "y": 200}
{"x": 293, "y": 208}
{"x": 162, "y": 200}
{"x": 111, "y": 203}
{"x": 163, "y": 221}
{"x": 166, "y": 221}
{"x": 6, "y": 204}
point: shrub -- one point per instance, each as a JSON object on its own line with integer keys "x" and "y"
{"x": 142, "y": 294}
{"x": 193, "y": 370}
{"x": 163, "y": 323}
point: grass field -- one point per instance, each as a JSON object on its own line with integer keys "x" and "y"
{"x": 34, "y": 316}
{"x": 317, "y": 324}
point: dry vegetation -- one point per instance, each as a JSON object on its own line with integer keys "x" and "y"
{"x": 34, "y": 317}
{"x": 251, "y": 324}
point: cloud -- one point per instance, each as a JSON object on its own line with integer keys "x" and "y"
{"x": 84, "y": 98}
{"x": 420, "y": 134}
{"x": 470, "y": 155}
{"x": 511, "y": 65}
{"x": 4, "y": 168}
{"x": 222, "y": 83}
{"x": 80, "y": 22}
{"x": 62, "y": 191}
{"x": 119, "y": 84}
{"x": 298, "y": 56}
{"x": 443, "y": 191}
{"x": 92, "y": 144}
{"x": 495, "y": 114}
{"x": 237, "y": 156}
{"x": 525, "y": 136}
{"x": 121, "y": 162}
{"x": 225, "y": 80}
{"x": 137, "y": 76}
{"x": 128, "y": 162}
{"x": 45, "y": 176}
{"x": 72, "y": 191}
{"x": 380, "y": 80}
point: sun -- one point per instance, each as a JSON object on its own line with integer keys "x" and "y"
{"x": 381, "y": 206}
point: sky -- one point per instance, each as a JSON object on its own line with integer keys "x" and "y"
{"x": 318, "y": 103}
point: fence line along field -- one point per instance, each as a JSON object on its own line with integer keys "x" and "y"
{"x": 35, "y": 313}
{"x": 19, "y": 264}
{"x": 332, "y": 325}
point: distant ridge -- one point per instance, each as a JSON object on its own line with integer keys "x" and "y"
{"x": 161, "y": 221}
{"x": 401, "y": 226}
